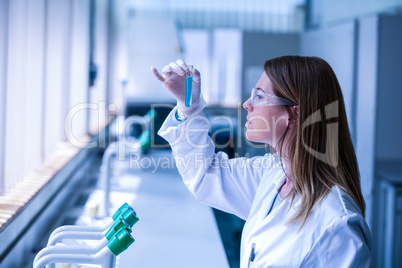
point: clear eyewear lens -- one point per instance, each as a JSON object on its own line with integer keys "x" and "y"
{"x": 259, "y": 98}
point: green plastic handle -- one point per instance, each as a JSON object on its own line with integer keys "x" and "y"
{"x": 129, "y": 216}
{"x": 120, "y": 242}
{"x": 120, "y": 224}
{"x": 120, "y": 210}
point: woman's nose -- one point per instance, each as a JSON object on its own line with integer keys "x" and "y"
{"x": 247, "y": 105}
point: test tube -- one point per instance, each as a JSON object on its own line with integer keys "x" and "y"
{"x": 189, "y": 85}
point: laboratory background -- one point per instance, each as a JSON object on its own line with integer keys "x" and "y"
{"x": 80, "y": 110}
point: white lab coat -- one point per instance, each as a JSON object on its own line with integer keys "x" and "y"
{"x": 334, "y": 235}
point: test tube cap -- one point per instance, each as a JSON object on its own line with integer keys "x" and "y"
{"x": 120, "y": 242}
{"x": 120, "y": 224}
{"x": 129, "y": 216}
{"x": 190, "y": 68}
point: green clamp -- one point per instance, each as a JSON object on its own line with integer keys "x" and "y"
{"x": 120, "y": 242}
{"x": 116, "y": 227}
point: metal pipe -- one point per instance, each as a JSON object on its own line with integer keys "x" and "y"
{"x": 75, "y": 235}
{"x": 109, "y": 154}
{"x": 79, "y": 228}
{"x": 103, "y": 258}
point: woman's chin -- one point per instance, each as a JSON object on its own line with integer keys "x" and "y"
{"x": 255, "y": 137}
{"x": 249, "y": 136}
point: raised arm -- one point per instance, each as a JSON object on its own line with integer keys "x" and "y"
{"x": 214, "y": 179}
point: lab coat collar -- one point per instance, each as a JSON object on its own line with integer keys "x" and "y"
{"x": 280, "y": 181}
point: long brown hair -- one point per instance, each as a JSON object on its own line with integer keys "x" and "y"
{"x": 321, "y": 152}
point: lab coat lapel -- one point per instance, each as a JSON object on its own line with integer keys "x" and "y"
{"x": 263, "y": 216}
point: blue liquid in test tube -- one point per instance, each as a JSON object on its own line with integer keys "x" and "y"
{"x": 189, "y": 86}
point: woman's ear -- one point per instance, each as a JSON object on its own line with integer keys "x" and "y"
{"x": 294, "y": 115}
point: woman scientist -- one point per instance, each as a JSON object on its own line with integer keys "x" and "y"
{"x": 303, "y": 204}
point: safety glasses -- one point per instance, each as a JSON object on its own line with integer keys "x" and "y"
{"x": 260, "y": 98}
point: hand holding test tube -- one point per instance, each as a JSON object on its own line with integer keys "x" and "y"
{"x": 189, "y": 86}
{"x": 184, "y": 83}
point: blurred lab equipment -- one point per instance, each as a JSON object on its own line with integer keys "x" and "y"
{"x": 112, "y": 241}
